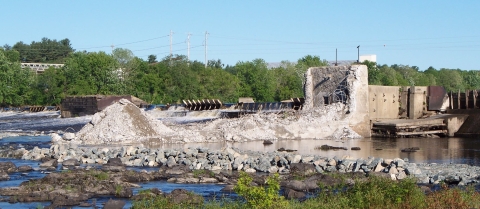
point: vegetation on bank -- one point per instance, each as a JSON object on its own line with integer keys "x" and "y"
{"x": 373, "y": 192}
{"x": 174, "y": 78}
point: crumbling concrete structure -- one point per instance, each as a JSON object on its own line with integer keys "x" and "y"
{"x": 340, "y": 84}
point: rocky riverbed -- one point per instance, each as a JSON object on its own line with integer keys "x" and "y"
{"x": 89, "y": 172}
{"x": 233, "y": 159}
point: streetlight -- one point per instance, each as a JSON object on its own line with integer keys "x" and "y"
{"x": 358, "y": 49}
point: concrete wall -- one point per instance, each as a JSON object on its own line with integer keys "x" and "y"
{"x": 384, "y": 102}
{"x": 324, "y": 81}
{"x": 418, "y": 101}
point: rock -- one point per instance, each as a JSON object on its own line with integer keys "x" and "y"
{"x": 68, "y": 136}
{"x": 50, "y": 163}
{"x": 114, "y": 165}
{"x": 71, "y": 162}
{"x": 171, "y": 161}
{"x": 4, "y": 176}
{"x": 267, "y": 142}
{"x": 24, "y": 168}
{"x": 296, "y": 159}
{"x": 177, "y": 170}
{"x": 7, "y": 167}
{"x": 296, "y": 185}
{"x": 302, "y": 169}
{"x": 292, "y": 194}
{"x": 114, "y": 204}
{"x": 182, "y": 196}
{"x": 208, "y": 180}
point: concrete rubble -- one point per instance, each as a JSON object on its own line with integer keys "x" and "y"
{"x": 124, "y": 123}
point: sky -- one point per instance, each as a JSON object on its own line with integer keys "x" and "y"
{"x": 441, "y": 34}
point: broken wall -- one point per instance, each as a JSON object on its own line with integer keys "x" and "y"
{"x": 340, "y": 84}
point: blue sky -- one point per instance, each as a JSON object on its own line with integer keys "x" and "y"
{"x": 442, "y": 34}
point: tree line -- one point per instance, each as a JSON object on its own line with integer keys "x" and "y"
{"x": 174, "y": 78}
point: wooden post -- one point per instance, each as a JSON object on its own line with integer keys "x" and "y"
{"x": 458, "y": 100}
{"x": 474, "y": 92}
{"x": 451, "y": 100}
{"x": 466, "y": 99}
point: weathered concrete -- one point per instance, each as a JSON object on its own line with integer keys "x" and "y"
{"x": 384, "y": 102}
{"x": 418, "y": 101}
{"x": 332, "y": 83}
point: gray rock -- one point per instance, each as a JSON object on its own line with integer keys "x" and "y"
{"x": 296, "y": 185}
{"x": 49, "y": 163}
{"x": 292, "y": 194}
{"x": 114, "y": 204}
{"x": 171, "y": 161}
{"x": 71, "y": 162}
{"x": 4, "y": 176}
{"x": 68, "y": 136}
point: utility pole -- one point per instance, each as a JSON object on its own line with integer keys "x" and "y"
{"x": 188, "y": 47}
{"x": 206, "y": 34}
{"x": 112, "y": 47}
{"x": 358, "y": 59}
{"x": 171, "y": 37}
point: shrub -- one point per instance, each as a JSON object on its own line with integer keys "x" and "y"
{"x": 259, "y": 196}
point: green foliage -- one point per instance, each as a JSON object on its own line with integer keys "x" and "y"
{"x": 175, "y": 78}
{"x": 203, "y": 172}
{"x": 15, "y": 82}
{"x": 255, "y": 80}
{"x": 160, "y": 201}
{"x": 258, "y": 196}
{"x": 118, "y": 189}
{"x": 45, "y": 51}
{"x": 99, "y": 175}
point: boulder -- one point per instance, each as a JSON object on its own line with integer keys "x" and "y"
{"x": 8, "y": 167}
{"x": 292, "y": 194}
{"x": 182, "y": 196}
{"x": 71, "y": 162}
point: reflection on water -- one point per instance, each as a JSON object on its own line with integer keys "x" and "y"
{"x": 432, "y": 150}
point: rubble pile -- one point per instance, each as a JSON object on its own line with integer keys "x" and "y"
{"x": 121, "y": 122}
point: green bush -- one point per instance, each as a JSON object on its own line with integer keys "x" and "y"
{"x": 259, "y": 196}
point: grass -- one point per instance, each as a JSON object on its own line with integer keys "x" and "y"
{"x": 99, "y": 175}
{"x": 373, "y": 192}
{"x": 203, "y": 172}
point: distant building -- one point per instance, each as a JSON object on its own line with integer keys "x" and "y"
{"x": 369, "y": 57}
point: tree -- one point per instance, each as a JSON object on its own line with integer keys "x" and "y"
{"x": 306, "y": 62}
{"x": 450, "y": 79}
{"x": 152, "y": 58}
{"x": 46, "y": 51}
{"x": 50, "y": 84}
{"x": 88, "y": 73}
{"x": 254, "y": 80}
{"x": 15, "y": 81}
{"x": 287, "y": 83}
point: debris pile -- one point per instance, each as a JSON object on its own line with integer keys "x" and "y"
{"x": 121, "y": 122}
